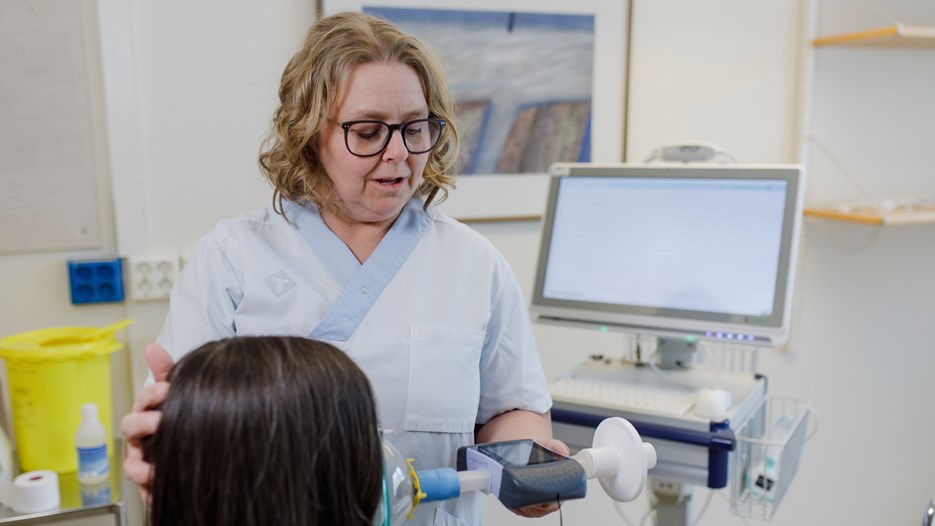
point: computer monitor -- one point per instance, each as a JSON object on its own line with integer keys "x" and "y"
{"x": 685, "y": 252}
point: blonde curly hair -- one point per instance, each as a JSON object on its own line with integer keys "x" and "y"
{"x": 310, "y": 86}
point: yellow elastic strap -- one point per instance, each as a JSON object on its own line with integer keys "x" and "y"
{"x": 417, "y": 493}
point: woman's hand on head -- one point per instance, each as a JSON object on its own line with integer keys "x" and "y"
{"x": 143, "y": 419}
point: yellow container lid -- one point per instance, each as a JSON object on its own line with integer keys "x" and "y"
{"x": 62, "y": 343}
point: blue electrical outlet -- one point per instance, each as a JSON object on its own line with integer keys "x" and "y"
{"x": 96, "y": 281}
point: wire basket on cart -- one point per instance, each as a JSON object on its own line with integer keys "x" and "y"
{"x": 769, "y": 446}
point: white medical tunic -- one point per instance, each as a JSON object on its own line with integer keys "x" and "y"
{"x": 434, "y": 317}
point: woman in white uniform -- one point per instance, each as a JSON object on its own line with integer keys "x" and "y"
{"x": 351, "y": 252}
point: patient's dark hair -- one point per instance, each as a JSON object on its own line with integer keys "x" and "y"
{"x": 266, "y": 430}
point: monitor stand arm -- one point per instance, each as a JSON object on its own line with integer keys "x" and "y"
{"x": 672, "y": 353}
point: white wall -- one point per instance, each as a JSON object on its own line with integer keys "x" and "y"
{"x": 207, "y": 76}
{"x": 726, "y": 71}
{"x": 722, "y": 71}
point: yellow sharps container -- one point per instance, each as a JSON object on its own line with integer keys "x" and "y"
{"x": 51, "y": 372}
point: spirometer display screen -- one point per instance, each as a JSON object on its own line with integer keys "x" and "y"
{"x": 709, "y": 245}
{"x": 519, "y": 453}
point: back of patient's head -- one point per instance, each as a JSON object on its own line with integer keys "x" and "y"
{"x": 266, "y": 430}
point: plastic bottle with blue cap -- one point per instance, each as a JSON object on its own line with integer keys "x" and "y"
{"x": 91, "y": 443}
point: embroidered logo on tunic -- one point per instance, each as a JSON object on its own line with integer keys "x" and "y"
{"x": 279, "y": 283}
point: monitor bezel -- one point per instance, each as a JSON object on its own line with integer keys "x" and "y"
{"x": 769, "y": 331}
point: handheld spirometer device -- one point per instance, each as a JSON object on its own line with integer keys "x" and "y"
{"x": 520, "y": 473}
{"x": 523, "y": 473}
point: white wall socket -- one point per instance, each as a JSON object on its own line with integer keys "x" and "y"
{"x": 151, "y": 278}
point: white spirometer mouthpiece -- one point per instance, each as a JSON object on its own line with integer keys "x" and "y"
{"x": 619, "y": 459}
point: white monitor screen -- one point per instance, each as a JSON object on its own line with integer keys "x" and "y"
{"x": 700, "y": 250}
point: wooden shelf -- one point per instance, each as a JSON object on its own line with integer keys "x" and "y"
{"x": 900, "y": 36}
{"x": 904, "y": 215}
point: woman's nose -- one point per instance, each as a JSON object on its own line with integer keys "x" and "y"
{"x": 396, "y": 149}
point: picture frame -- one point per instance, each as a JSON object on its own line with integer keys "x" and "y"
{"x": 495, "y": 192}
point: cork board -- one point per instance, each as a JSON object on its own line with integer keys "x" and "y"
{"x": 48, "y": 177}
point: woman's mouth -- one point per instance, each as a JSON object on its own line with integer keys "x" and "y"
{"x": 390, "y": 182}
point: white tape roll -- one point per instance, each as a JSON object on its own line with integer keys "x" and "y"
{"x": 35, "y": 491}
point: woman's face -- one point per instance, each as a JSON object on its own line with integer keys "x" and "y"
{"x": 374, "y": 189}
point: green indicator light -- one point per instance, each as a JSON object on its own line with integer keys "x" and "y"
{"x": 689, "y": 338}
{"x": 604, "y": 328}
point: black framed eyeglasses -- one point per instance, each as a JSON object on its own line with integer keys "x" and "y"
{"x": 368, "y": 138}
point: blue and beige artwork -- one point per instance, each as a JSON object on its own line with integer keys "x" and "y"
{"x": 521, "y": 83}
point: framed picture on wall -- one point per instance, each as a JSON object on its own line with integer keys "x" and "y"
{"x": 534, "y": 82}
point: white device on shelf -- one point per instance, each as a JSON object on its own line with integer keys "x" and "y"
{"x": 688, "y": 152}
{"x": 712, "y": 403}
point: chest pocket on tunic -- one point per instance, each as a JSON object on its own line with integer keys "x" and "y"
{"x": 444, "y": 379}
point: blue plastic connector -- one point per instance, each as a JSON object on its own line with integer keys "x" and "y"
{"x": 439, "y": 484}
{"x": 99, "y": 281}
